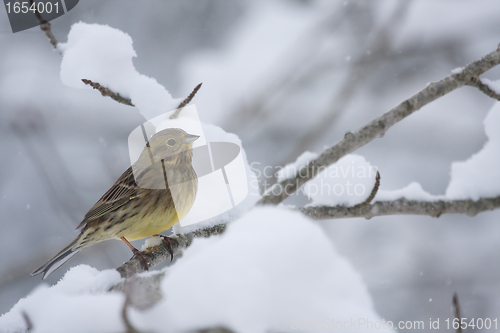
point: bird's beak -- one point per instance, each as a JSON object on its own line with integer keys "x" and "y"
{"x": 190, "y": 138}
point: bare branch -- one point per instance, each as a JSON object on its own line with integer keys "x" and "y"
{"x": 160, "y": 254}
{"x": 374, "y": 190}
{"x": 185, "y": 102}
{"x": 377, "y": 128}
{"x": 380, "y": 208}
{"x": 45, "y": 26}
{"x": 107, "y": 92}
{"x": 352, "y": 141}
{"x": 404, "y": 207}
{"x": 483, "y": 86}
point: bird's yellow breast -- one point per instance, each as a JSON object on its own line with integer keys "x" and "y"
{"x": 161, "y": 213}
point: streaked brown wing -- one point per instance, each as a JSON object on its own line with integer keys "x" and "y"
{"x": 124, "y": 190}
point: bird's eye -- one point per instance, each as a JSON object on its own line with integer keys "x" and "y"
{"x": 171, "y": 142}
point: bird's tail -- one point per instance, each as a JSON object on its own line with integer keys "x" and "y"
{"x": 59, "y": 259}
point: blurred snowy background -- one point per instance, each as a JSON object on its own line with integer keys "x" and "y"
{"x": 285, "y": 76}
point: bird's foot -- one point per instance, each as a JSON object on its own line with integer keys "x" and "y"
{"x": 170, "y": 244}
{"x": 143, "y": 258}
{"x": 140, "y": 255}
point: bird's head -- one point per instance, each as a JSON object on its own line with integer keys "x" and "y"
{"x": 172, "y": 145}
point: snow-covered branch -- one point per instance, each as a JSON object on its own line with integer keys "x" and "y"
{"x": 107, "y": 92}
{"x": 160, "y": 253}
{"x": 185, "y": 102}
{"x": 404, "y": 207}
{"x": 377, "y": 128}
{"x": 352, "y": 141}
{"x": 327, "y": 58}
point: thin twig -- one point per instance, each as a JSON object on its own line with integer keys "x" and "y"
{"x": 456, "y": 312}
{"x": 185, "y": 102}
{"x": 107, "y": 92}
{"x": 403, "y": 207}
{"x": 483, "y": 86}
{"x": 45, "y": 26}
{"x": 378, "y": 127}
{"x": 374, "y": 190}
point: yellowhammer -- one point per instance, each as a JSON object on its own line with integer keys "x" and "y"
{"x": 151, "y": 196}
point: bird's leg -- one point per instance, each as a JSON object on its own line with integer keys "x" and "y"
{"x": 169, "y": 244}
{"x": 137, "y": 253}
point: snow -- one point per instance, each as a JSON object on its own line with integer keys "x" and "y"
{"x": 408, "y": 245}
{"x": 479, "y": 176}
{"x": 493, "y": 85}
{"x": 350, "y": 180}
{"x": 347, "y": 182}
{"x": 257, "y": 268}
{"x": 80, "y": 302}
{"x": 457, "y": 70}
{"x": 272, "y": 270}
{"x": 216, "y": 134}
{"x": 104, "y": 55}
{"x": 413, "y": 191}
{"x": 151, "y": 242}
{"x": 289, "y": 170}
{"x": 475, "y": 178}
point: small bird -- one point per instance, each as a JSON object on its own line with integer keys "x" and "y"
{"x": 149, "y": 197}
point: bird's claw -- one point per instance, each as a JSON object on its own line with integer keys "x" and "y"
{"x": 169, "y": 243}
{"x": 142, "y": 257}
